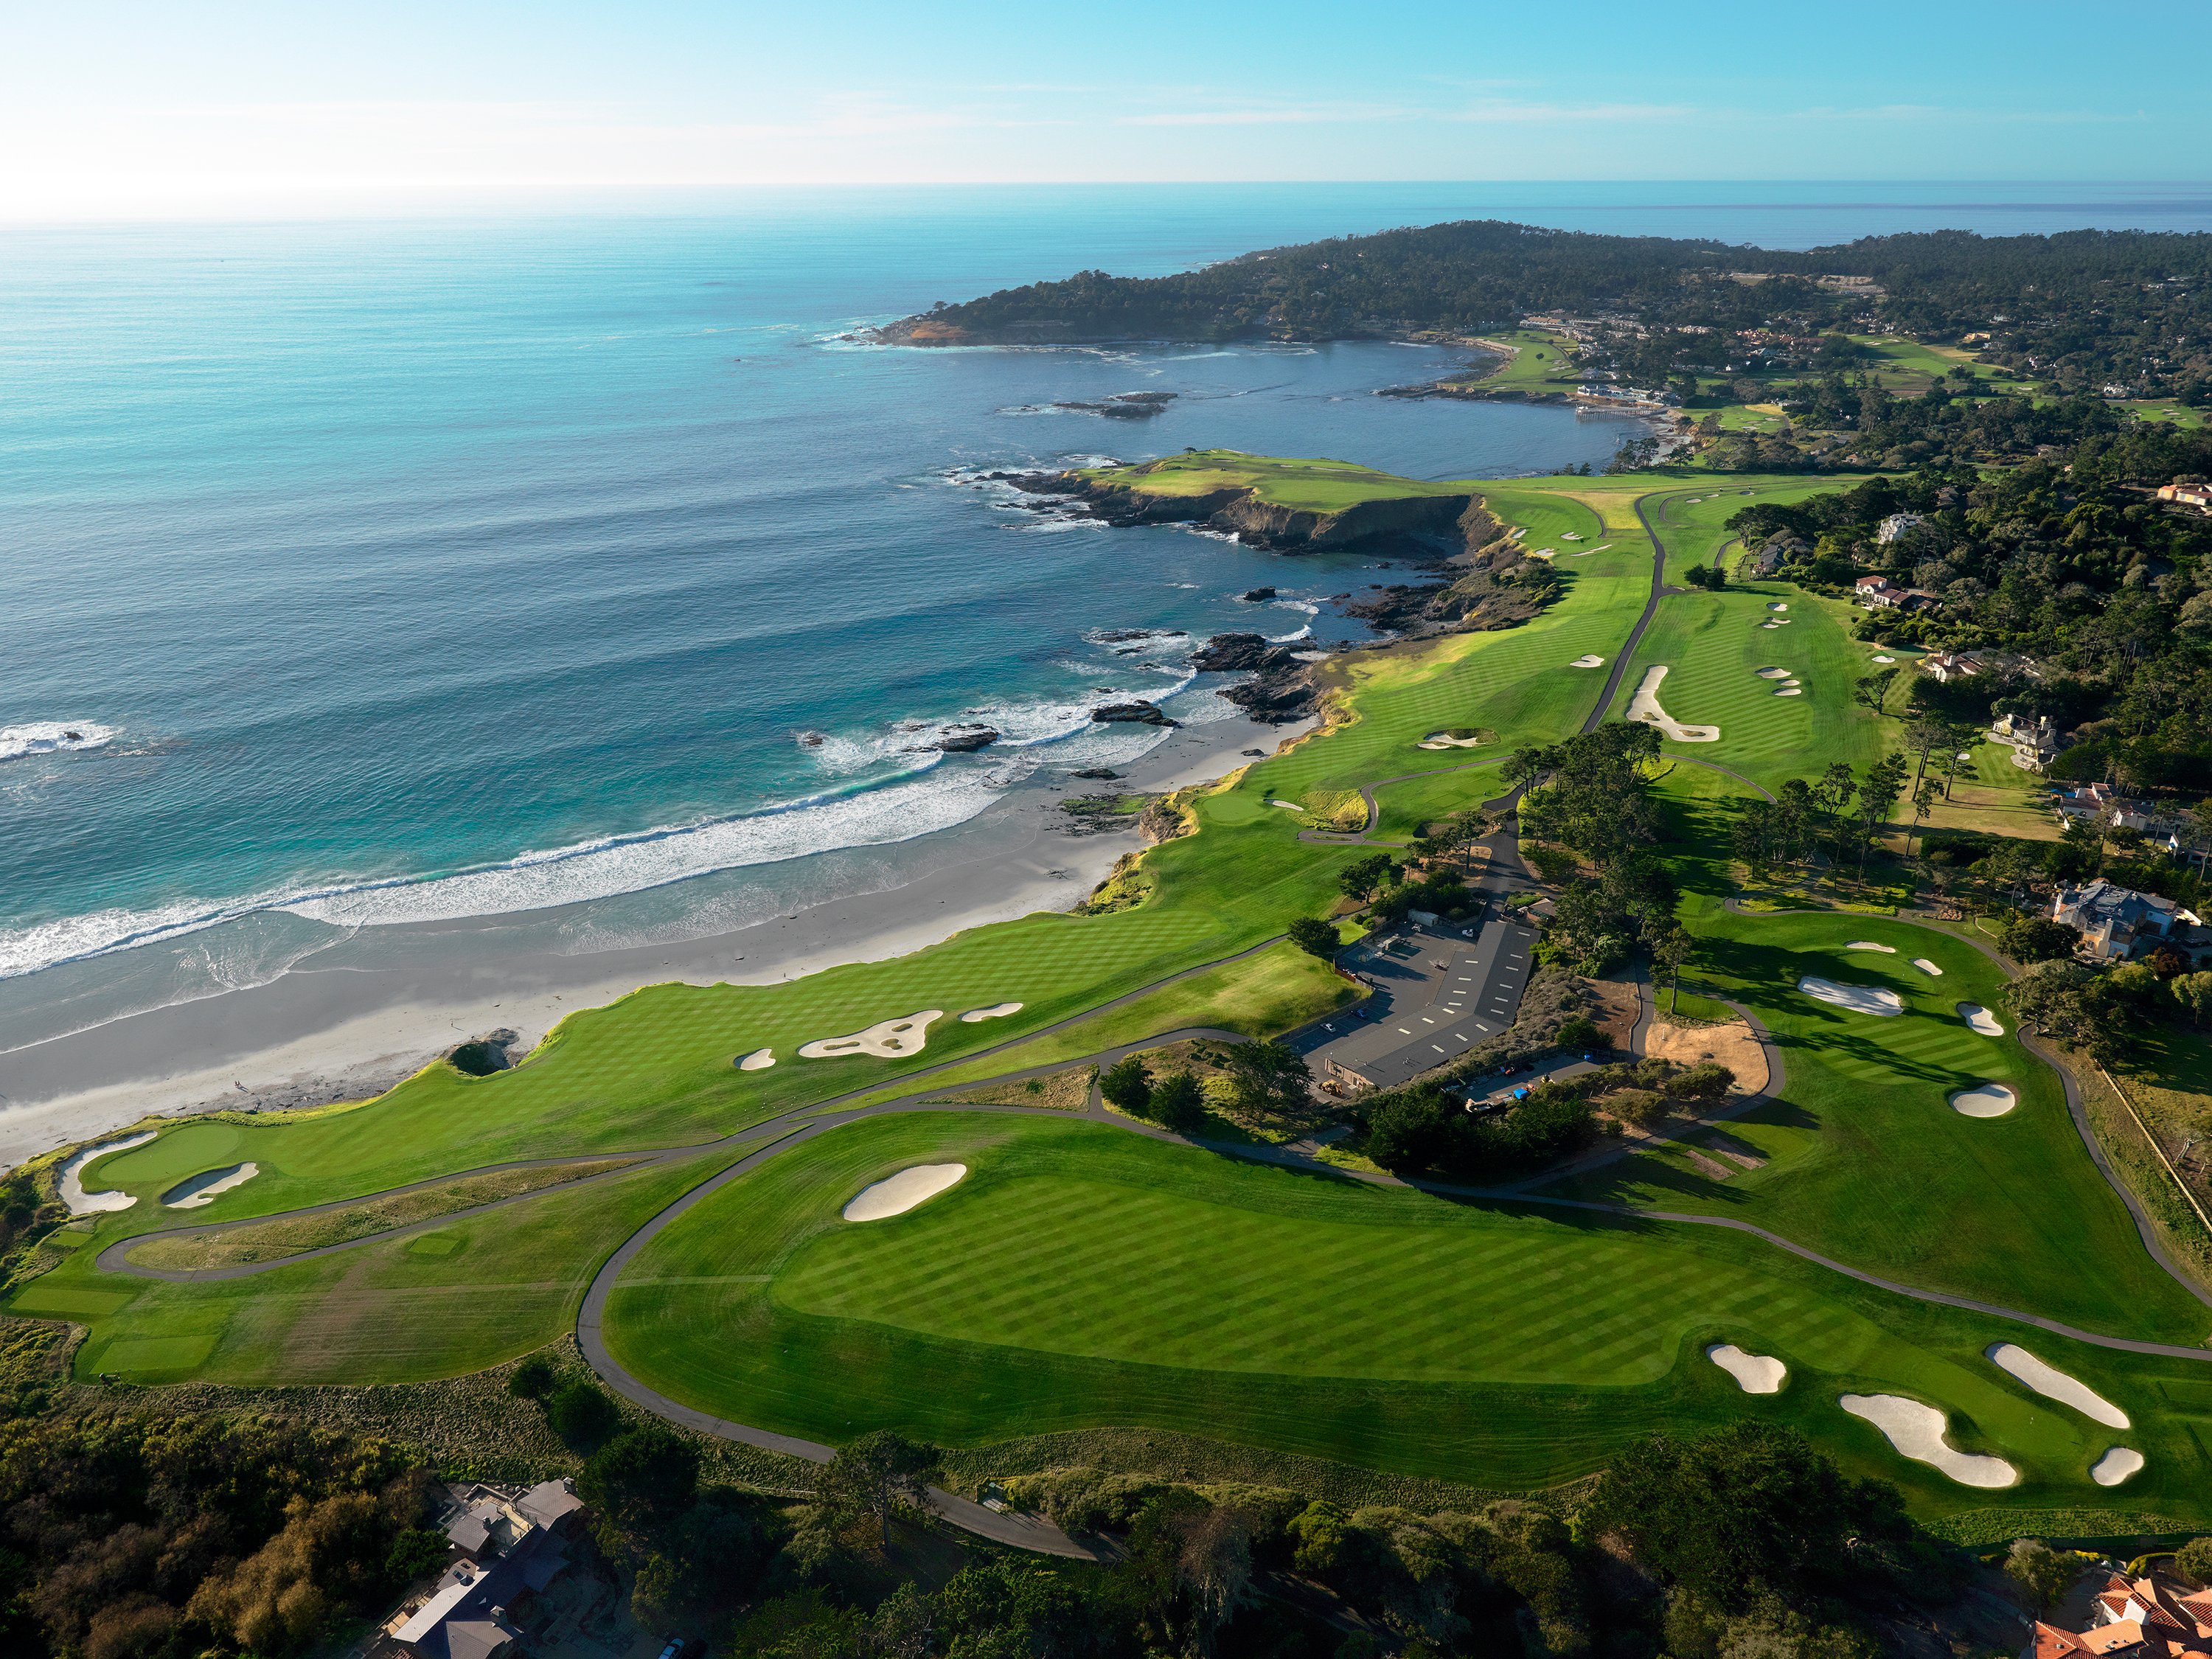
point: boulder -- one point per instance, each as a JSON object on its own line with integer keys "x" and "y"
{"x": 1138, "y": 713}
{"x": 966, "y": 741}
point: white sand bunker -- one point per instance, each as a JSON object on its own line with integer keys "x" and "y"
{"x": 1586, "y": 660}
{"x": 1927, "y": 967}
{"x": 209, "y": 1185}
{"x": 78, "y": 1201}
{"x": 1778, "y": 606}
{"x": 1980, "y": 1019}
{"x": 759, "y": 1060}
{"x": 1774, "y": 673}
{"x": 1758, "y": 1373}
{"x": 2116, "y": 1465}
{"x": 1445, "y": 740}
{"x": 2054, "y": 1384}
{"x": 886, "y": 1039}
{"x": 1984, "y": 1100}
{"x": 1292, "y": 805}
{"x": 1916, "y": 1431}
{"x": 1885, "y": 659}
{"x": 1869, "y": 945}
{"x": 1790, "y": 691}
{"x": 1644, "y": 705}
{"x": 1859, "y": 999}
{"x": 996, "y": 1011}
{"x": 896, "y": 1194}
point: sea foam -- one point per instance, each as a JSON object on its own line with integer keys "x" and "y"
{"x": 51, "y": 737}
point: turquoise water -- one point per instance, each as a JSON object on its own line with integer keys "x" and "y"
{"x": 406, "y": 571}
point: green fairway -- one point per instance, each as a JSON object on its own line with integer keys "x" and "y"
{"x": 1080, "y": 1277}
{"x": 1313, "y": 486}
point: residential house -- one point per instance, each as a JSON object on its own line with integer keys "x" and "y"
{"x": 2188, "y": 492}
{"x": 2148, "y": 1617}
{"x": 1880, "y": 593}
{"x": 1895, "y": 525}
{"x": 1944, "y": 666}
{"x": 2034, "y": 742}
{"x": 2116, "y": 923}
{"x": 513, "y": 1545}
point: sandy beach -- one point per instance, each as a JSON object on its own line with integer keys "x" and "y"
{"x": 358, "y": 1018}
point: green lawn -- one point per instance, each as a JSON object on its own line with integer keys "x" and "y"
{"x": 1314, "y": 486}
{"x": 1541, "y": 362}
{"x": 1083, "y": 1278}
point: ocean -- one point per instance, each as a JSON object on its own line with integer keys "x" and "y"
{"x": 366, "y": 573}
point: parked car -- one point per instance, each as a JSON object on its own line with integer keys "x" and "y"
{"x": 674, "y": 1649}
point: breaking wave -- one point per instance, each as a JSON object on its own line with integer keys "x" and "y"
{"x": 51, "y": 737}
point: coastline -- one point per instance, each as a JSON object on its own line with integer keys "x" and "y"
{"x": 349, "y": 1030}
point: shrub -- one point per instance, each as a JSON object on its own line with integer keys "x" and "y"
{"x": 1178, "y": 1103}
{"x": 1580, "y": 1031}
{"x": 1635, "y": 1106}
{"x": 2193, "y": 1560}
{"x": 533, "y": 1378}
{"x": 581, "y": 1415}
{"x": 1126, "y": 1083}
{"x": 1315, "y": 937}
{"x": 1708, "y": 1081}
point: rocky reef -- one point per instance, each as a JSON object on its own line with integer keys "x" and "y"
{"x": 1137, "y": 713}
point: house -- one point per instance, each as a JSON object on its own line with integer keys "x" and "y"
{"x": 512, "y": 1545}
{"x": 2034, "y": 742}
{"x": 1944, "y": 666}
{"x": 2133, "y": 1618}
{"x": 2188, "y": 492}
{"x": 1877, "y": 592}
{"x": 1895, "y": 525}
{"x": 2116, "y": 923}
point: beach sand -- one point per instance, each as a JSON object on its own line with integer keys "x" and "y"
{"x": 356, "y": 1020}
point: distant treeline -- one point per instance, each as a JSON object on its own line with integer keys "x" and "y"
{"x": 2135, "y": 304}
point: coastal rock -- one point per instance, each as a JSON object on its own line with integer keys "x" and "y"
{"x": 1138, "y": 713}
{"x": 1254, "y": 596}
{"x": 1242, "y": 653}
{"x": 1123, "y": 405}
{"x": 481, "y": 1057}
{"x": 1283, "y": 686}
{"x": 1098, "y": 772}
{"x": 966, "y": 742}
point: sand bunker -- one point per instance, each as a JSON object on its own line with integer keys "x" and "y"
{"x": 1869, "y": 945}
{"x": 1571, "y": 535}
{"x": 1980, "y": 1019}
{"x": 1885, "y": 659}
{"x": 2054, "y": 1384}
{"x": 887, "y": 1039}
{"x": 759, "y": 1060}
{"x": 1445, "y": 740}
{"x": 1292, "y": 805}
{"x": 1644, "y": 705}
{"x": 1984, "y": 1100}
{"x": 1777, "y": 605}
{"x": 1916, "y": 1431}
{"x": 896, "y": 1194}
{"x": 1586, "y": 660}
{"x": 209, "y": 1185}
{"x": 1927, "y": 967}
{"x": 1758, "y": 1373}
{"x": 1790, "y": 691}
{"x": 2116, "y": 1465}
{"x": 1774, "y": 673}
{"x": 78, "y": 1201}
{"x": 996, "y": 1011}
{"x": 1859, "y": 999}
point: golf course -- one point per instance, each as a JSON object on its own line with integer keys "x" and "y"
{"x": 1087, "y": 1275}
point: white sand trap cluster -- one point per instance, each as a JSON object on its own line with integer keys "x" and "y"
{"x": 996, "y": 1011}
{"x": 1871, "y": 944}
{"x": 2054, "y": 1384}
{"x": 2116, "y": 1465}
{"x": 1927, "y": 967}
{"x": 1756, "y": 1373}
{"x": 759, "y": 1060}
{"x": 1984, "y": 1100}
{"x": 1916, "y": 1431}
{"x": 896, "y": 1194}
{"x": 1445, "y": 740}
{"x": 208, "y": 1186}
{"x": 1775, "y": 622}
{"x": 887, "y": 1039}
{"x": 1980, "y": 1019}
{"x": 1859, "y": 999}
{"x": 1644, "y": 705}
{"x": 1586, "y": 660}
{"x": 78, "y": 1201}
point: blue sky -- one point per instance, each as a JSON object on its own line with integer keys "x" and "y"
{"x": 110, "y": 109}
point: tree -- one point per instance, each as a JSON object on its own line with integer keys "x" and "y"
{"x": 581, "y": 1415}
{"x": 1364, "y": 877}
{"x": 2040, "y": 1571}
{"x": 1270, "y": 1076}
{"x": 1924, "y": 802}
{"x": 1669, "y": 951}
{"x": 1709, "y": 1080}
{"x": 2193, "y": 1560}
{"x": 1878, "y": 790}
{"x": 642, "y": 1476}
{"x": 1126, "y": 1083}
{"x": 879, "y": 1475}
{"x": 1178, "y": 1103}
{"x": 1315, "y": 937}
{"x": 2036, "y": 939}
{"x": 1871, "y": 691}
{"x": 533, "y": 1378}
{"x": 2193, "y": 993}
{"x": 2077, "y": 1007}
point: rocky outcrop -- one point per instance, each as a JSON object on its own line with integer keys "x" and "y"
{"x": 481, "y": 1057}
{"x": 1283, "y": 686}
{"x": 1123, "y": 405}
{"x": 1135, "y": 714}
{"x": 1228, "y": 654}
{"x": 966, "y": 740}
{"x": 1404, "y": 526}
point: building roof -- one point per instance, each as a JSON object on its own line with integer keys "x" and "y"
{"x": 476, "y": 1638}
{"x": 549, "y": 1502}
{"x": 2105, "y": 902}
